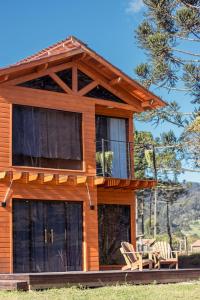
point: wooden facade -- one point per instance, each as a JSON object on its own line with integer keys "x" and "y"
{"x": 25, "y": 182}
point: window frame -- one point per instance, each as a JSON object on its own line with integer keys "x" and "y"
{"x": 26, "y": 168}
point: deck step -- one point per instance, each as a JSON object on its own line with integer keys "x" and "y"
{"x": 11, "y": 285}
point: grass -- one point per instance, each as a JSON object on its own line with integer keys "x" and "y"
{"x": 183, "y": 291}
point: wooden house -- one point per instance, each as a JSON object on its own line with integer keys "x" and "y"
{"x": 66, "y": 160}
{"x": 195, "y": 247}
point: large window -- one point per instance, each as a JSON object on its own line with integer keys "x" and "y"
{"x": 111, "y": 144}
{"x": 46, "y": 138}
{"x": 114, "y": 228}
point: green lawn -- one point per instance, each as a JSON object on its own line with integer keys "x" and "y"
{"x": 184, "y": 291}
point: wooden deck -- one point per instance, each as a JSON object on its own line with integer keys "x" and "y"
{"x": 35, "y": 281}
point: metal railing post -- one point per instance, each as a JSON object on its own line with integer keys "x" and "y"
{"x": 103, "y": 156}
{"x": 155, "y": 192}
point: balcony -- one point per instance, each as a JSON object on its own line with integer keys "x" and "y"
{"x": 117, "y": 159}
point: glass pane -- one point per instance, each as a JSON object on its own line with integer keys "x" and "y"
{"x": 21, "y": 236}
{"x": 47, "y": 236}
{"x": 83, "y": 80}
{"x": 74, "y": 235}
{"x": 37, "y": 226}
{"x": 56, "y": 245}
{"x": 102, "y": 93}
{"x": 66, "y": 76}
{"x": 112, "y": 152}
{"x": 114, "y": 228}
{"x": 43, "y": 83}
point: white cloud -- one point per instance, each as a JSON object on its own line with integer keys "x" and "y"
{"x": 134, "y": 6}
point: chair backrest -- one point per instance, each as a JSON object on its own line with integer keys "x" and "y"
{"x": 131, "y": 256}
{"x": 163, "y": 248}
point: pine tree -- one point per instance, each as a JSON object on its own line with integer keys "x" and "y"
{"x": 169, "y": 29}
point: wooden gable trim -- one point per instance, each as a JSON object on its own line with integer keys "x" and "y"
{"x": 38, "y": 74}
{"x": 41, "y": 98}
{"x": 88, "y": 88}
{"x": 98, "y": 79}
{"x": 121, "y": 75}
{"x": 35, "y": 63}
{"x": 61, "y": 83}
{"x": 95, "y": 75}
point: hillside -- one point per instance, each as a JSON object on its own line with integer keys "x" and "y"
{"x": 184, "y": 214}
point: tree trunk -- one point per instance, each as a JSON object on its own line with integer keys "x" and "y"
{"x": 168, "y": 226}
{"x": 142, "y": 213}
{"x": 150, "y": 212}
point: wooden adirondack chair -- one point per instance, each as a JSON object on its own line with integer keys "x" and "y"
{"x": 133, "y": 259}
{"x": 163, "y": 255}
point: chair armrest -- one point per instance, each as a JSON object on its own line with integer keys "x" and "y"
{"x": 134, "y": 252}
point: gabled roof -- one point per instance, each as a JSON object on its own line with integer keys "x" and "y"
{"x": 70, "y": 48}
{"x": 196, "y": 243}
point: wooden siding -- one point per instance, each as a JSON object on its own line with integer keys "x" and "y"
{"x": 88, "y": 107}
{"x": 5, "y": 130}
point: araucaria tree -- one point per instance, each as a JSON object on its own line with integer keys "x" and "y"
{"x": 170, "y": 36}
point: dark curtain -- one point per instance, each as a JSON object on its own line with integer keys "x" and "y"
{"x": 46, "y": 133}
{"x": 37, "y": 226}
{"x": 102, "y": 130}
{"x": 74, "y": 236}
{"x": 114, "y": 228}
{"x": 56, "y": 246}
{"x": 21, "y": 236}
{"x": 60, "y": 249}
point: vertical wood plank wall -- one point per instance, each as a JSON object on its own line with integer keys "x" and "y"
{"x": 52, "y": 192}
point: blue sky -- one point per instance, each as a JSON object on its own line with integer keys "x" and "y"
{"x": 107, "y": 26}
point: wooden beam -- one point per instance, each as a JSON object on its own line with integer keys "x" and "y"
{"x": 72, "y": 180}
{"x": 126, "y": 78}
{"x": 42, "y": 67}
{"x": 125, "y": 96}
{"x": 115, "y": 81}
{"x": 32, "y": 177}
{"x": 4, "y": 78}
{"x": 2, "y": 175}
{"x": 35, "y": 75}
{"x": 123, "y": 184}
{"x": 14, "y": 94}
{"x": 62, "y": 179}
{"x": 16, "y": 175}
{"x": 111, "y": 182}
{"x": 144, "y": 184}
{"x": 48, "y": 178}
{"x": 99, "y": 180}
{"x": 74, "y": 79}
{"x": 134, "y": 184}
{"x": 34, "y": 63}
{"x": 88, "y": 88}
{"x": 81, "y": 179}
{"x": 61, "y": 83}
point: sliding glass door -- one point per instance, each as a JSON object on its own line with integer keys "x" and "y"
{"x": 114, "y": 227}
{"x": 47, "y": 236}
{"x": 112, "y": 147}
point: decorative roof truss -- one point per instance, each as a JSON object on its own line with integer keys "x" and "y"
{"x": 72, "y": 79}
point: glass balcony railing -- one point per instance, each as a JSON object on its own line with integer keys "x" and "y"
{"x": 113, "y": 159}
{"x": 117, "y": 159}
